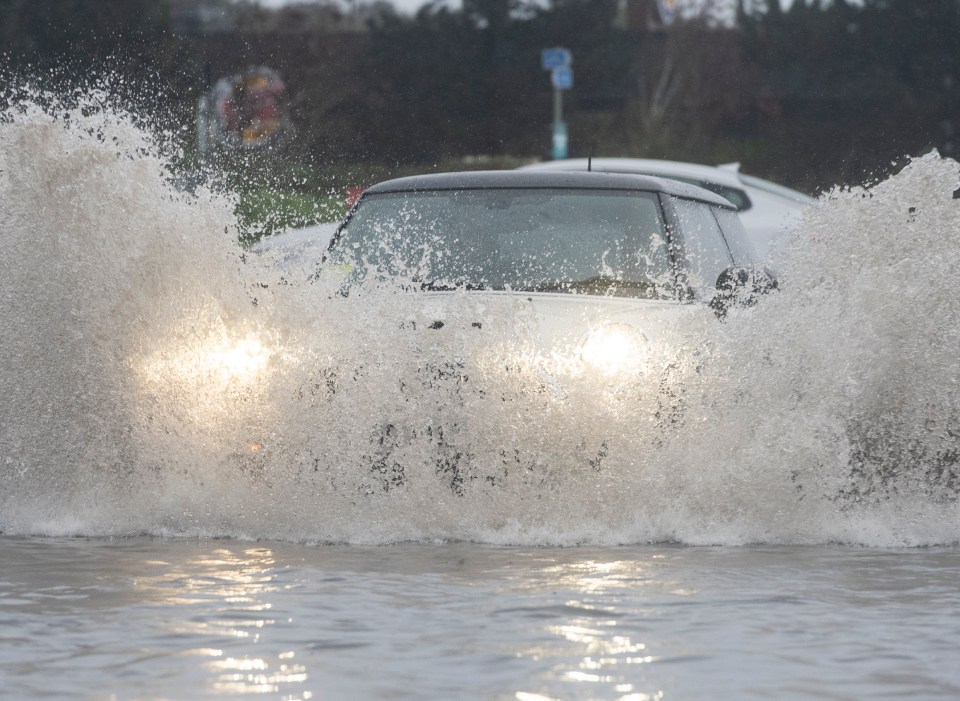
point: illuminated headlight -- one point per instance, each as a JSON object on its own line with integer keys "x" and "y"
{"x": 614, "y": 349}
{"x": 236, "y": 361}
{"x": 215, "y": 366}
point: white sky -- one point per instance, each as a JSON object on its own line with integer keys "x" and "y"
{"x": 411, "y": 6}
{"x": 405, "y": 6}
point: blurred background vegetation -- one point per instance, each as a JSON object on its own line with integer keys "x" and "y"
{"x": 826, "y": 92}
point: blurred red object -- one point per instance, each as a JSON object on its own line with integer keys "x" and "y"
{"x": 353, "y": 194}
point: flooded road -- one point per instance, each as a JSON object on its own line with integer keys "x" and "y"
{"x": 219, "y": 479}
{"x": 173, "y": 619}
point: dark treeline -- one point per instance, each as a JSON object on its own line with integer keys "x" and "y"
{"x": 823, "y": 93}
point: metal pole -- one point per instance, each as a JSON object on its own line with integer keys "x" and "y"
{"x": 559, "y": 128}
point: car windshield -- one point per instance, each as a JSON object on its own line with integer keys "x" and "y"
{"x": 533, "y": 239}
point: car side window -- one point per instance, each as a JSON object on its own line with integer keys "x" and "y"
{"x": 744, "y": 253}
{"x": 705, "y": 249}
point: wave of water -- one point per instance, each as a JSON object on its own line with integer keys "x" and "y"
{"x": 156, "y": 380}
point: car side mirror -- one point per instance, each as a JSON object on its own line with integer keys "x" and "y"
{"x": 741, "y": 287}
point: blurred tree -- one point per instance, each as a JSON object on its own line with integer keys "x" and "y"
{"x": 85, "y": 33}
{"x": 853, "y": 86}
{"x": 811, "y": 95}
{"x": 447, "y": 80}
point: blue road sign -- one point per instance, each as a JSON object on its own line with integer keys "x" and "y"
{"x": 562, "y": 78}
{"x": 555, "y": 58}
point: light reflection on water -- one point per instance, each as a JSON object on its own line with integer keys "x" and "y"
{"x": 606, "y": 650}
{"x": 238, "y": 585}
{"x": 174, "y": 619}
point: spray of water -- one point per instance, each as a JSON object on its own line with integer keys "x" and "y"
{"x": 156, "y": 380}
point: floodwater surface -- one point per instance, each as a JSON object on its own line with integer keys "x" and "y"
{"x": 151, "y": 618}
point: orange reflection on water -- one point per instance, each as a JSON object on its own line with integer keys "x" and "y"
{"x": 231, "y": 590}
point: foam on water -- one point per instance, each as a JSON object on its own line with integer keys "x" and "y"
{"x": 155, "y": 382}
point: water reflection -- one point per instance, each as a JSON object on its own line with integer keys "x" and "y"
{"x": 254, "y": 676}
{"x": 596, "y": 646}
{"x": 229, "y": 591}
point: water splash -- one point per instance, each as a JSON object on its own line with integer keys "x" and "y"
{"x": 154, "y": 382}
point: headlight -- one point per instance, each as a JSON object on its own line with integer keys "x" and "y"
{"x": 211, "y": 375}
{"x": 235, "y": 361}
{"x": 614, "y": 349}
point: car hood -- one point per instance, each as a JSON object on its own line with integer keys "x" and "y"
{"x": 551, "y": 323}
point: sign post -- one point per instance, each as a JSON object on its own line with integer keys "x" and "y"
{"x": 558, "y": 61}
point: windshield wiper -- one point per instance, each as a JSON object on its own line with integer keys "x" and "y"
{"x": 602, "y": 285}
{"x": 435, "y": 286}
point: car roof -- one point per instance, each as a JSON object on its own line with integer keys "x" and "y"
{"x": 596, "y": 180}
{"x": 727, "y": 174}
{"x": 721, "y": 176}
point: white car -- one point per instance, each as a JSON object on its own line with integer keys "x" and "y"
{"x": 768, "y": 210}
{"x": 295, "y": 245}
{"x": 317, "y": 235}
{"x": 501, "y": 286}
